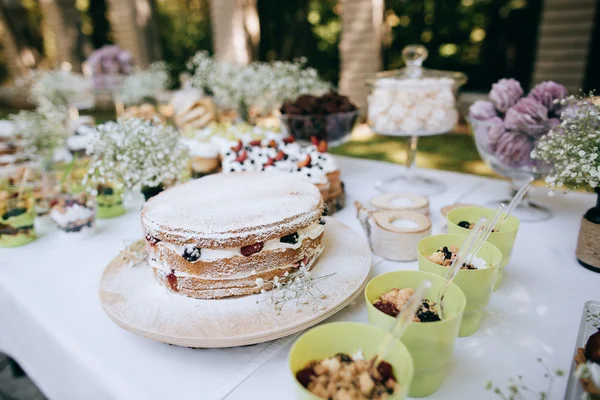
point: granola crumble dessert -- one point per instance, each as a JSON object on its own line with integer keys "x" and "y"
{"x": 392, "y": 302}
{"x": 445, "y": 255}
{"x": 345, "y": 377}
{"x": 215, "y": 236}
{"x": 588, "y": 366}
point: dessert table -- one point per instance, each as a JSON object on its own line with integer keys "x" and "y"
{"x": 52, "y": 323}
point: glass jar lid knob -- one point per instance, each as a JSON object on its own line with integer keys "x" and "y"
{"x": 413, "y": 56}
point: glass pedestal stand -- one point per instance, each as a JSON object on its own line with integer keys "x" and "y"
{"x": 526, "y": 211}
{"x": 410, "y": 181}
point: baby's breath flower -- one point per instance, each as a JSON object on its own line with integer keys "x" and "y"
{"x": 120, "y": 154}
{"x": 570, "y": 150}
{"x": 145, "y": 84}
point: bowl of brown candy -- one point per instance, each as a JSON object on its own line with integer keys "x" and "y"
{"x": 330, "y": 117}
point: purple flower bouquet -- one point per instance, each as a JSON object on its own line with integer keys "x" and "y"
{"x": 108, "y": 65}
{"x": 507, "y": 127}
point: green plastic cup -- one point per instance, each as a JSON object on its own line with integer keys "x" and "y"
{"x": 348, "y": 337}
{"x": 503, "y": 240}
{"x": 477, "y": 285}
{"x": 109, "y": 203}
{"x": 18, "y": 215}
{"x": 430, "y": 344}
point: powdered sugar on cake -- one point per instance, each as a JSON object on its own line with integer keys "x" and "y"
{"x": 224, "y": 209}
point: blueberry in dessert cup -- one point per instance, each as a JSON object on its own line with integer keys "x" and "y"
{"x": 109, "y": 202}
{"x": 430, "y": 340}
{"x": 73, "y": 213}
{"x": 17, "y": 216}
{"x": 504, "y": 238}
{"x": 475, "y": 280}
{"x": 333, "y": 361}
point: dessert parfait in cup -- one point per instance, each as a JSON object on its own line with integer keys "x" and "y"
{"x": 109, "y": 201}
{"x": 17, "y": 215}
{"x": 430, "y": 338}
{"x": 335, "y": 361}
{"x": 476, "y": 280}
{"x": 73, "y": 213}
{"x": 460, "y": 221}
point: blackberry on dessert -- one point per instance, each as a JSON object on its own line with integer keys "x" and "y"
{"x": 445, "y": 255}
{"x": 392, "y": 302}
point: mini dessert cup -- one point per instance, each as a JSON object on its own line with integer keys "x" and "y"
{"x": 348, "y": 337}
{"x": 430, "y": 344}
{"x": 477, "y": 284}
{"x": 109, "y": 202}
{"x": 503, "y": 240}
{"x": 17, "y": 215}
{"x": 73, "y": 213}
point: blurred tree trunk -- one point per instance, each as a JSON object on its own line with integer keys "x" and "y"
{"x": 236, "y": 30}
{"x": 134, "y": 29}
{"x": 63, "y": 39}
{"x": 97, "y": 11}
{"x": 360, "y": 46}
{"x": 21, "y": 49}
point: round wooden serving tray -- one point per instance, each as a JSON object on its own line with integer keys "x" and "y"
{"x": 134, "y": 300}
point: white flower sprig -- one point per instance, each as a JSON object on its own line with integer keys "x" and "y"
{"x": 53, "y": 91}
{"x": 145, "y": 84}
{"x": 134, "y": 254}
{"x": 134, "y": 152}
{"x": 41, "y": 133}
{"x": 259, "y": 85}
{"x": 299, "y": 286}
{"x": 571, "y": 150}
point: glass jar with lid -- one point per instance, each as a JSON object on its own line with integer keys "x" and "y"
{"x": 413, "y": 101}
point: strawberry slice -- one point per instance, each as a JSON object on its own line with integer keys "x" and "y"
{"x": 269, "y": 162}
{"x": 242, "y": 157}
{"x": 247, "y": 251}
{"x": 314, "y": 140}
{"x": 305, "y": 163}
{"x": 322, "y": 146}
{"x": 289, "y": 139}
{"x": 255, "y": 143}
{"x": 238, "y": 147}
{"x": 280, "y": 155}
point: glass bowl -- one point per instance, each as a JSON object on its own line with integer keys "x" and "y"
{"x": 335, "y": 128}
{"x": 509, "y": 155}
{"x": 413, "y": 101}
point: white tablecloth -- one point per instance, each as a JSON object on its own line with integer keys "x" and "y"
{"x": 51, "y": 321}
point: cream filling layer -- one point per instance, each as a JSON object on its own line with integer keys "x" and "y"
{"x": 179, "y": 274}
{"x": 313, "y": 231}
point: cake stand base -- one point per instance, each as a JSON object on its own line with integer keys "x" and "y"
{"x": 527, "y": 211}
{"x": 411, "y": 184}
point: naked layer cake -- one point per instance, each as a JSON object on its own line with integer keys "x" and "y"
{"x": 216, "y": 236}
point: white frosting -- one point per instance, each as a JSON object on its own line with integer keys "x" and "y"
{"x": 256, "y": 157}
{"x": 73, "y": 213}
{"x": 594, "y": 372}
{"x": 312, "y": 232}
{"x": 479, "y": 263}
{"x": 7, "y": 128}
{"x": 401, "y": 201}
{"x": 202, "y": 149}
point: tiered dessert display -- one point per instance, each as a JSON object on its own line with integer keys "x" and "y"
{"x": 413, "y": 102}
